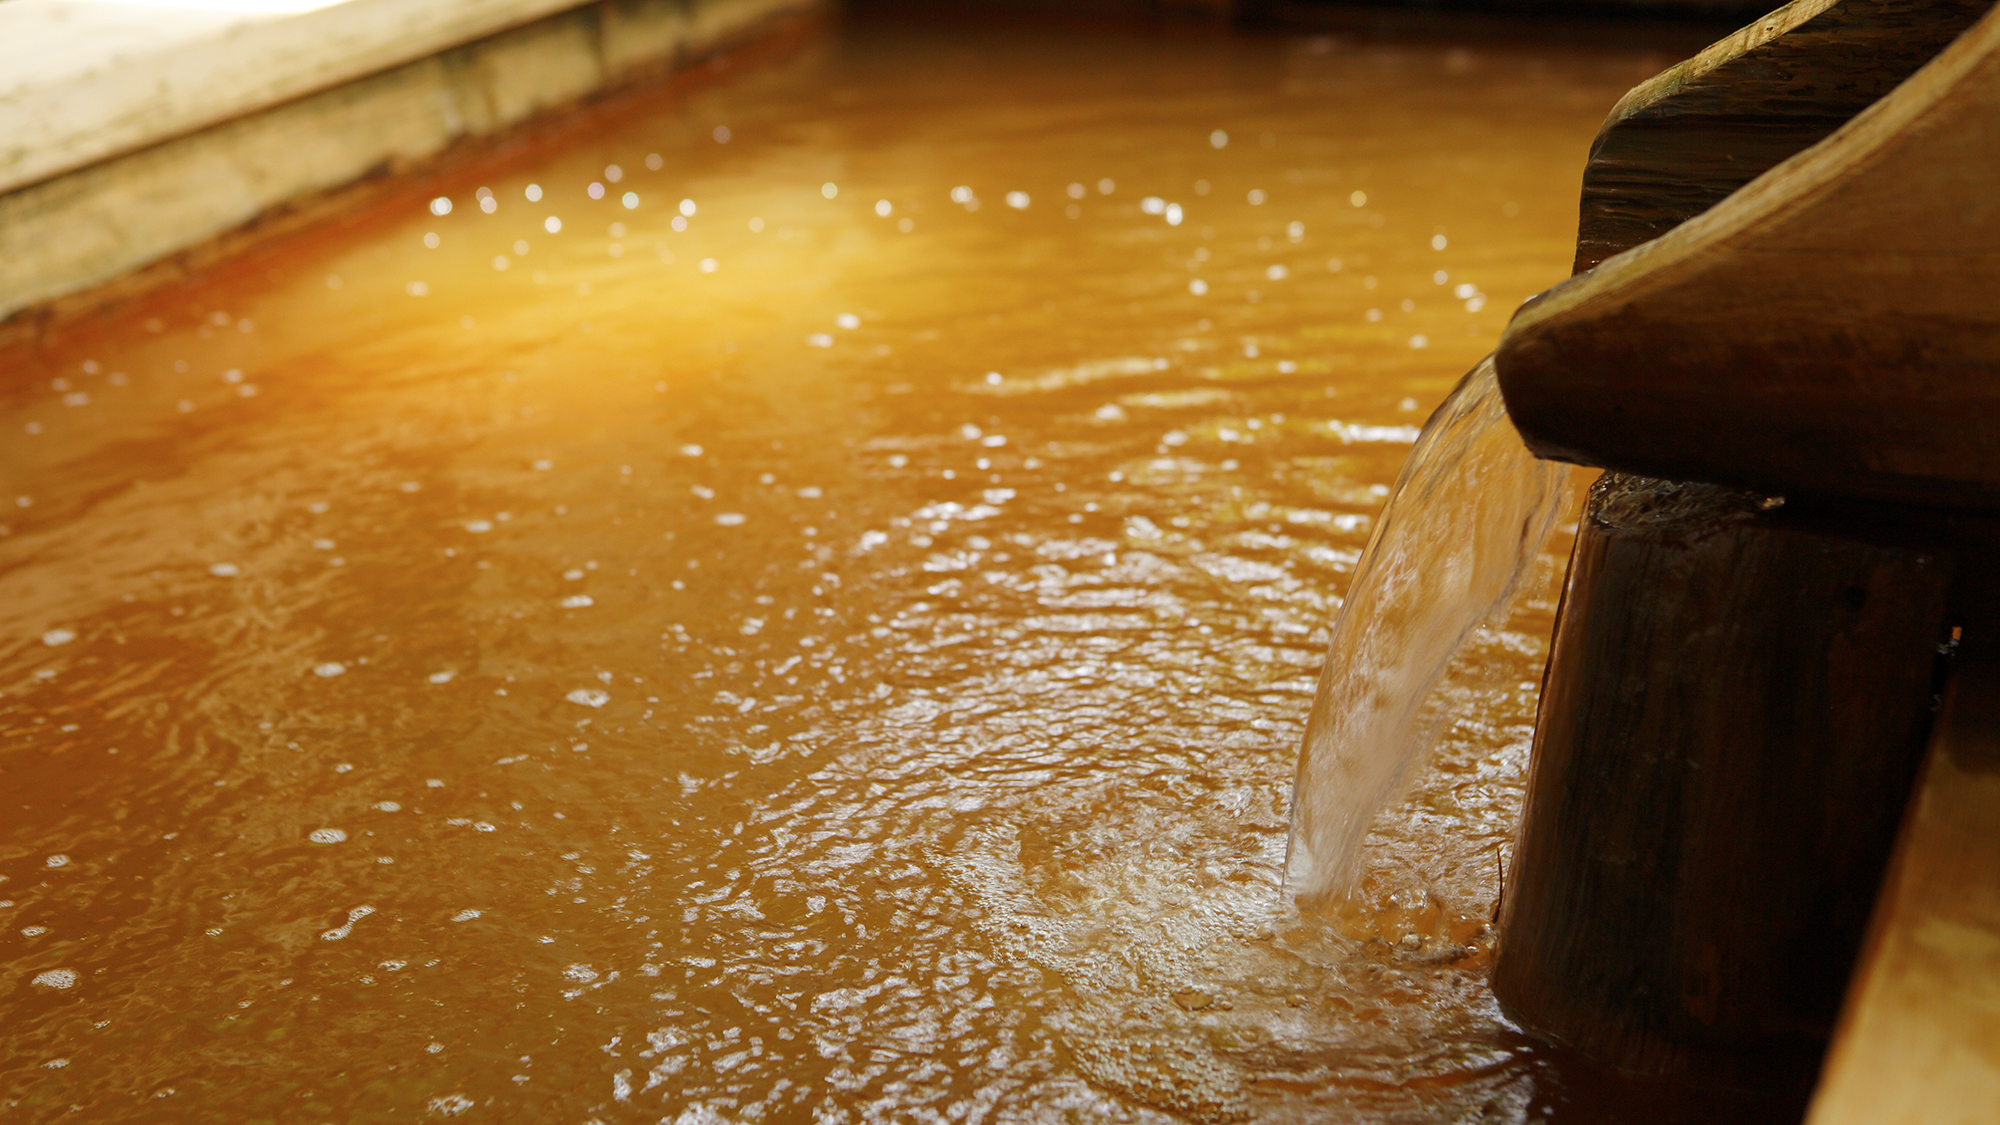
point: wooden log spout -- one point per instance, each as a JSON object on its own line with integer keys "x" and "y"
{"x": 1735, "y": 706}
{"x": 1828, "y": 328}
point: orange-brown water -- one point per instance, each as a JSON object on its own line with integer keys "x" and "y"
{"x": 838, "y": 661}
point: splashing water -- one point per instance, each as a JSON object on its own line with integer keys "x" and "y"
{"x": 1470, "y": 511}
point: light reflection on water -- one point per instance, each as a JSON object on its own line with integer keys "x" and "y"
{"x": 812, "y": 662}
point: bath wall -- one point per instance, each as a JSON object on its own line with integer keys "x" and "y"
{"x": 146, "y": 139}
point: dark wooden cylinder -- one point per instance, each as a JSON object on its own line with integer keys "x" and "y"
{"x": 1735, "y": 706}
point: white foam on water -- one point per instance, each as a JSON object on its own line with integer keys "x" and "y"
{"x": 353, "y": 916}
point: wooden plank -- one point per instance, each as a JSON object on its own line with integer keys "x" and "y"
{"x": 1828, "y": 328}
{"x": 1919, "y": 1043}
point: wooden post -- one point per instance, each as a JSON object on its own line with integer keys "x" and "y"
{"x": 1735, "y": 704}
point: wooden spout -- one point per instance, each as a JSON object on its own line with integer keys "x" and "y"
{"x": 1828, "y": 328}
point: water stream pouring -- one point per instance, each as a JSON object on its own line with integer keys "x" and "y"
{"x": 1470, "y": 510}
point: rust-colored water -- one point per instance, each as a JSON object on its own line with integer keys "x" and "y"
{"x": 816, "y": 665}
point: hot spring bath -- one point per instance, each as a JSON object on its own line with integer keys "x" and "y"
{"x": 797, "y": 601}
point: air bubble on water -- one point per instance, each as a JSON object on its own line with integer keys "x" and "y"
{"x": 56, "y": 979}
{"x": 56, "y": 861}
{"x": 729, "y": 519}
{"x": 820, "y": 340}
{"x": 329, "y": 669}
{"x": 327, "y": 836}
{"x": 1218, "y": 139}
{"x": 577, "y": 601}
{"x": 848, "y": 321}
{"x": 690, "y": 450}
{"x": 573, "y": 573}
{"x": 1198, "y": 287}
{"x": 589, "y": 697}
{"x": 224, "y": 570}
{"x": 387, "y": 806}
{"x": 1153, "y": 205}
{"x": 581, "y": 974}
{"x": 434, "y": 783}
{"x": 434, "y": 1048}
{"x": 55, "y": 637}
{"x": 440, "y": 677}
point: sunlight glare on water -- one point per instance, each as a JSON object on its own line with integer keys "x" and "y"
{"x": 724, "y": 650}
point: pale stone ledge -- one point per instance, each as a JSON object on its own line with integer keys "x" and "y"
{"x": 135, "y": 130}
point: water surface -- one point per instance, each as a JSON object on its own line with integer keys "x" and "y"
{"x": 822, "y": 637}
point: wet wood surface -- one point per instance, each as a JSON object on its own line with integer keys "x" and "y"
{"x": 1828, "y": 328}
{"x": 1919, "y": 1043}
{"x": 1735, "y": 705}
{"x": 1681, "y": 142}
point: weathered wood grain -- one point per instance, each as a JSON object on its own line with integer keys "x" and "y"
{"x": 1682, "y": 141}
{"x": 1830, "y": 327}
{"x": 1735, "y": 704}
